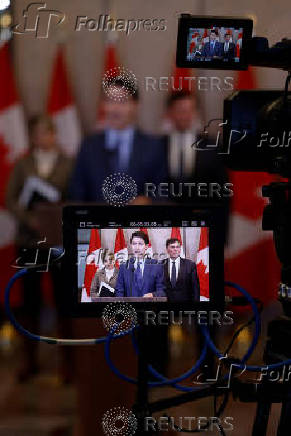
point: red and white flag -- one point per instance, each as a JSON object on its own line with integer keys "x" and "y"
{"x": 93, "y": 262}
{"x": 13, "y": 143}
{"x": 176, "y": 234}
{"x": 202, "y": 264}
{"x": 110, "y": 63}
{"x": 120, "y": 248}
{"x": 61, "y": 106}
{"x": 250, "y": 258}
{"x": 149, "y": 251}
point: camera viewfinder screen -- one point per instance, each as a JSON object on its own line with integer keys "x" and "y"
{"x": 144, "y": 262}
{"x": 217, "y": 43}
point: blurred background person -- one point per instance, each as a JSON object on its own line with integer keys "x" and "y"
{"x": 185, "y": 162}
{"x": 108, "y": 275}
{"x": 40, "y": 177}
{"x": 120, "y": 147}
{"x": 228, "y": 47}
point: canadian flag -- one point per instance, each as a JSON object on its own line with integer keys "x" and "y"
{"x": 202, "y": 264}
{"x": 61, "y": 107}
{"x": 13, "y": 143}
{"x": 93, "y": 262}
{"x": 120, "y": 248}
{"x": 238, "y": 46}
{"x": 110, "y": 62}
{"x": 179, "y": 81}
{"x": 176, "y": 234}
{"x": 250, "y": 258}
{"x": 149, "y": 252}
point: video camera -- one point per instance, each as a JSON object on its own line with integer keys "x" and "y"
{"x": 256, "y": 133}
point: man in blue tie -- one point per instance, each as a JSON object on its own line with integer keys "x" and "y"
{"x": 140, "y": 276}
{"x": 120, "y": 147}
{"x": 213, "y": 48}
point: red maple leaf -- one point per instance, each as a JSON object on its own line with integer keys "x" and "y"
{"x": 203, "y": 279}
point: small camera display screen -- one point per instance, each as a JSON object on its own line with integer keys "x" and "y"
{"x": 154, "y": 257}
{"x": 152, "y": 263}
{"x": 213, "y": 42}
{"x": 221, "y": 43}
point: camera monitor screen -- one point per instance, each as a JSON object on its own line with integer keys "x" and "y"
{"x": 212, "y": 42}
{"x": 153, "y": 257}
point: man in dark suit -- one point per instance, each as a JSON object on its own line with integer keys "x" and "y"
{"x": 119, "y": 148}
{"x": 212, "y": 49}
{"x": 228, "y": 47}
{"x": 181, "y": 278}
{"x": 140, "y": 276}
{"x": 185, "y": 162}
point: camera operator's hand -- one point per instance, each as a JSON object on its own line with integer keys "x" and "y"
{"x": 149, "y": 295}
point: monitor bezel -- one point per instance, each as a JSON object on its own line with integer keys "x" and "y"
{"x": 71, "y": 219}
{"x": 188, "y": 21}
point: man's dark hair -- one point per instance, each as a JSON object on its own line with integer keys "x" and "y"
{"x": 214, "y": 31}
{"x": 179, "y": 95}
{"x": 172, "y": 241}
{"x": 140, "y": 235}
{"x": 35, "y": 120}
{"x": 127, "y": 85}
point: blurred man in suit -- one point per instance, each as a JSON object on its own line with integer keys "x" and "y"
{"x": 140, "y": 276}
{"x": 180, "y": 275}
{"x": 228, "y": 47}
{"x": 121, "y": 147}
{"x": 212, "y": 49}
{"x": 185, "y": 162}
